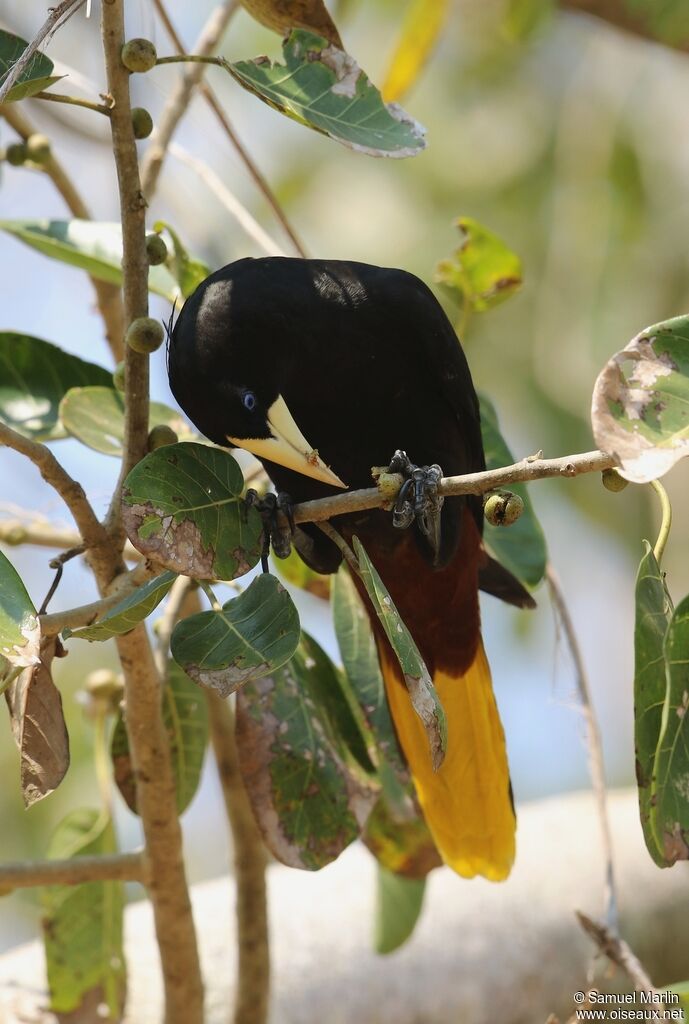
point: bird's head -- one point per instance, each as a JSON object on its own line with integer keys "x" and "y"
{"x": 227, "y": 371}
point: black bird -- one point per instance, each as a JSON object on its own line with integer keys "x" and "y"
{"x": 324, "y": 369}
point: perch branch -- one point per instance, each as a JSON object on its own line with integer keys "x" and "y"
{"x": 618, "y": 952}
{"x": 124, "y": 867}
{"x": 531, "y": 468}
{"x": 229, "y": 130}
{"x": 57, "y": 16}
{"x": 594, "y": 744}
{"x": 73, "y": 101}
{"x": 108, "y": 296}
{"x": 253, "y": 968}
{"x": 148, "y": 738}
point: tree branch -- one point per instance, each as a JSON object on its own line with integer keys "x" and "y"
{"x": 72, "y": 493}
{"x": 618, "y": 952}
{"x": 210, "y": 97}
{"x": 108, "y": 296}
{"x": 57, "y": 16}
{"x": 253, "y": 967}
{"x": 86, "y": 614}
{"x": 148, "y": 738}
{"x": 627, "y": 16}
{"x": 124, "y": 867}
{"x": 531, "y": 468}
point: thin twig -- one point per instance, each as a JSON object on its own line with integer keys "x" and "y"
{"x": 229, "y": 201}
{"x": 531, "y": 468}
{"x": 617, "y": 951}
{"x": 179, "y": 592}
{"x": 58, "y": 564}
{"x": 108, "y": 296}
{"x": 73, "y": 101}
{"x": 124, "y": 867}
{"x": 253, "y": 952}
{"x": 251, "y": 166}
{"x": 594, "y": 745}
{"x": 57, "y": 17}
{"x": 178, "y": 102}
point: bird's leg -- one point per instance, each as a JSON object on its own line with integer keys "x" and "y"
{"x": 418, "y": 499}
{"x": 274, "y": 510}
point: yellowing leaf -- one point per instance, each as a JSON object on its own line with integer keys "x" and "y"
{"x": 284, "y": 15}
{"x": 483, "y": 270}
{"x": 421, "y": 28}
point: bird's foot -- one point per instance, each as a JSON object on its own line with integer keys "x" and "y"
{"x": 276, "y": 510}
{"x": 418, "y": 499}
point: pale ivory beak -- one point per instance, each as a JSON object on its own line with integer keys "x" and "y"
{"x": 288, "y": 447}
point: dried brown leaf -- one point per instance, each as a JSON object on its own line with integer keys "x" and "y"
{"x": 283, "y": 15}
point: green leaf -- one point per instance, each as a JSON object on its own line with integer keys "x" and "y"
{"x": 670, "y": 782}
{"x": 95, "y": 416}
{"x": 399, "y": 902}
{"x": 640, "y": 411}
{"x": 20, "y": 632}
{"x": 82, "y": 924}
{"x": 360, "y": 659}
{"x": 251, "y": 635}
{"x": 295, "y": 570}
{"x": 401, "y": 843}
{"x": 323, "y": 88}
{"x": 35, "y": 77}
{"x": 93, "y": 246}
{"x": 34, "y": 377}
{"x": 520, "y": 547}
{"x": 182, "y": 506}
{"x": 308, "y": 805}
{"x": 129, "y": 612}
{"x": 416, "y": 676}
{"x": 653, "y": 613}
{"x": 483, "y": 270}
{"x": 667, "y": 21}
{"x": 187, "y": 271}
{"x": 185, "y": 716}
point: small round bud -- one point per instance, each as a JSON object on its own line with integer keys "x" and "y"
{"x": 160, "y": 436}
{"x": 118, "y": 376}
{"x": 612, "y": 480}
{"x": 104, "y": 683}
{"x": 142, "y": 122}
{"x": 145, "y": 335}
{"x": 16, "y": 154}
{"x": 156, "y": 250}
{"x": 503, "y": 508}
{"x": 15, "y": 535}
{"x": 38, "y": 148}
{"x": 139, "y": 55}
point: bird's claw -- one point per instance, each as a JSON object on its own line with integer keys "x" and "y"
{"x": 418, "y": 499}
{"x": 274, "y": 509}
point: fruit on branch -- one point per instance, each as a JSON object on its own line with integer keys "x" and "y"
{"x": 612, "y": 480}
{"x": 503, "y": 508}
{"x": 142, "y": 122}
{"x": 139, "y": 55}
{"x": 161, "y": 435}
{"x": 118, "y": 376}
{"x": 145, "y": 335}
{"x": 38, "y": 148}
{"x": 156, "y": 249}
{"x": 16, "y": 154}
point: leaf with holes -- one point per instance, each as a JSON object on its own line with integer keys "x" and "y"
{"x": 307, "y": 803}
{"x": 669, "y": 802}
{"x": 416, "y": 676}
{"x": 653, "y": 613}
{"x": 520, "y": 547}
{"x": 36, "y": 76}
{"x": 82, "y": 926}
{"x": 20, "y": 633}
{"x": 185, "y": 716}
{"x": 34, "y": 377}
{"x": 38, "y": 725}
{"x": 323, "y": 88}
{"x": 640, "y": 411}
{"x": 360, "y": 660}
{"x": 93, "y": 246}
{"x": 95, "y": 416}
{"x": 399, "y": 902}
{"x": 182, "y": 507}
{"x": 423, "y": 22}
{"x": 129, "y": 612}
{"x": 250, "y": 636}
{"x": 484, "y": 271}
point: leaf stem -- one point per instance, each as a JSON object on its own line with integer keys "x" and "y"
{"x": 101, "y": 759}
{"x": 210, "y": 594}
{"x": 666, "y": 522}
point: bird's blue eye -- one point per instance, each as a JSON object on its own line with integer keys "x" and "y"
{"x": 249, "y": 400}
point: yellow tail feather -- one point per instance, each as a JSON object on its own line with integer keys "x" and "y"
{"x": 466, "y": 803}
